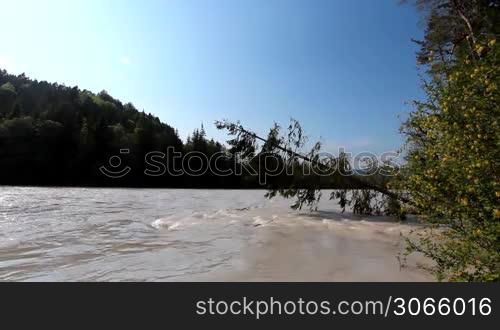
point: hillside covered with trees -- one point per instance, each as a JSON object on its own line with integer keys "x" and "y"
{"x": 51, "y": 134}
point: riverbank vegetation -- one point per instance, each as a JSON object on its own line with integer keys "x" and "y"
{"x": 451, "y": 174}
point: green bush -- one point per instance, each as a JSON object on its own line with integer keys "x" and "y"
{"x": 453, "y": 160}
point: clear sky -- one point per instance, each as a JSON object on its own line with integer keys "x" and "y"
{"x": 344, "y": 68}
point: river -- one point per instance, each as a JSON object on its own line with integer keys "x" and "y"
{"x": 79, "y": 234}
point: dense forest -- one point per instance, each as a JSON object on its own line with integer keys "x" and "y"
{"x": 51, "y": 134}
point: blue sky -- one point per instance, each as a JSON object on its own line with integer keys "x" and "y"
{"x": 344, "y": 69}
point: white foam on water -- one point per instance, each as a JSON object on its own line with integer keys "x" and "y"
{"x": 165, "y": 224}
{"x": 175, "y": 223}
{"x": 258, "y": 221}
{"x": 196, "y": 218}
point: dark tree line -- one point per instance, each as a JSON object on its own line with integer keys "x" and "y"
{"x": 52, "y": 134}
